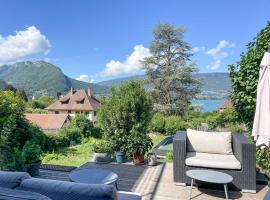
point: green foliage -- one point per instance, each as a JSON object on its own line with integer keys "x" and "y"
{"x": 58, "y": 140}
{"x": 169, "y": 156}
{"x": 31, "y": 153}
{"x": 16, "y": 132}
{"x": 169, "y": 70}
{"x": 263, "y": 159}
{"x": 84, "y": 125}
{"x": 137, "y": 143}
{"x": 126, "y": 114}
{"x": 102, "y": 146}
{"x": 41, "y": 103}
{"x": 157, "y": 123}
{"x": 245, "y": 73}
{"x": 174, "y": 123}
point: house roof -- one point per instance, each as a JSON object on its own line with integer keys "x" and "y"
{"x": 226, "y": 104}
{"x": 76, "y": 100}
{"x": 47, "y": 121}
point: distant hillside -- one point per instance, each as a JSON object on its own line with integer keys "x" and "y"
{"x": 2, "y": 84}
{"x": 214, "y": 85}
{"x": 42, "y": 78}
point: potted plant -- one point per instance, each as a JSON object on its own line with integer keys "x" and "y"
{"x": 102, "y": 151}
{"x": 138, "y": 146}
{"x": 31, "y": 154}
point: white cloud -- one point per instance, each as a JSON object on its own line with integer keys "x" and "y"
{"x": 197, "y": 49}
{"x": 24, "y": 44}
{"x": 85, "y": 78}
{"x": 215, "y": 65}
{"x": 217, "y": 52}
{"x": 130, "y": 65}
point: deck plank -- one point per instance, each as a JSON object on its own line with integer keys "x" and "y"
{"x": 155, "y": 183}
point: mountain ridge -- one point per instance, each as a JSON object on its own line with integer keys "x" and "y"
{"x": 42, "y": 78}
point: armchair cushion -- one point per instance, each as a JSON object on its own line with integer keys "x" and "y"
{"x": 208, "y": 160}
{"x": 209, "y": 142}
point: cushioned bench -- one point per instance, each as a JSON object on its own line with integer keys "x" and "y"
{"x": 59, "y": 190}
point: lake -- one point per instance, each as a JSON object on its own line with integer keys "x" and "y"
{"x": 208, "y": 105}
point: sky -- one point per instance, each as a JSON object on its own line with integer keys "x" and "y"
{"x": 99, "y": 40}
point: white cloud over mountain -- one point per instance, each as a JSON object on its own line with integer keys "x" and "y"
{"x": 85, "y": 78}
{"x": 130, "y": 65}
{"x": 22, "y": 45}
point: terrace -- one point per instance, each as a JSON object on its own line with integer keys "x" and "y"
{"x": 152, "y": 182}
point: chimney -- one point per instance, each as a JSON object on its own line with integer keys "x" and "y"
{"x": 71, "y": 90}
{"x": 89, "y": 92}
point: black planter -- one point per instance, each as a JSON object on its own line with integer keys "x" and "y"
{"x": 33, "y": 169}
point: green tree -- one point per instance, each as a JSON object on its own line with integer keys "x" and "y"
{"x": 84, "y": 125}
{"x": 244, "y": 76}
{"x": 169, "y": 70}
{"x": 125, "y": 115}
{"x": 15, "y": 131}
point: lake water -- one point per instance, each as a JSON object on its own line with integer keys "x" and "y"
{"x": 208, "y": 105}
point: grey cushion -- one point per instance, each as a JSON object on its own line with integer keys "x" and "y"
{"x": 58, "y": 190}
{"x": 12, "y": 179}
{"x": 13, "y": 194}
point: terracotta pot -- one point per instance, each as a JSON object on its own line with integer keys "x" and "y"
{"x": 138, "y": 159}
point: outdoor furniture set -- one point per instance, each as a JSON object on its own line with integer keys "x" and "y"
{"x": 232, "y": 154}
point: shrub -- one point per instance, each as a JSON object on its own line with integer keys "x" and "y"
{"x": 102, "y": 146}
{"x": 126, "y": 112}
{"x": 15, "y": 131}
{"x": 174, "y": 123}
{"x": 31, "y": 153}
{"x": 157, "y": 123}
{"x": 263, "y": 159}
{"x": 83, "y": 125}
{"x": 58, "y": 140}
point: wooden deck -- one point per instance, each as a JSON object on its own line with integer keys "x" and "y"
{"x": 156, "y": 183}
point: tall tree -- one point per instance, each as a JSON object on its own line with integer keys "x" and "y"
{"x": 169, "y": 70}
{"x": 245, "y": 74}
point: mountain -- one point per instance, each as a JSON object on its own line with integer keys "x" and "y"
{"x": 214, "y": 85}
{"x": 3, "y": 84}
{"x": 42, "y": 78}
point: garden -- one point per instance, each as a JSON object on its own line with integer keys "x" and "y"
{"x": 137, "y": 115}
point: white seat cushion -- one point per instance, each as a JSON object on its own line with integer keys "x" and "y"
{"x": 209, "y": 160}
{"x": 209, "y": 142}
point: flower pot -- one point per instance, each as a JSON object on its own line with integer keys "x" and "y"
{"x": 102, "y": 158}
{"x": 138, "y": 159}
{"x": 120, "y": 157}
{"x": 33, "y": 169}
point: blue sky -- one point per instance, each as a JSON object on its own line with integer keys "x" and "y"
{"x": 100, "y": 40}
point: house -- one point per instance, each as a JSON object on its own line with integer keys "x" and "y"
{"x": 76, "y": 101}
{"x": 226, "y": 105}
{"x": 49, "y": 122}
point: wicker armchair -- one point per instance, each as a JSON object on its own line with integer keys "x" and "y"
{"x": 243, "y": 150}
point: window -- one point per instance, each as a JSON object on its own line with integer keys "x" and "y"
{"x": 95, "y": 113}
{"x": 69, "y": 111}
{"x": 56, "y": 112}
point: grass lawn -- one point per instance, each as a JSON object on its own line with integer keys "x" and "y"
{"x": 70, "y": 156}
{"x": 82, "y": 153}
